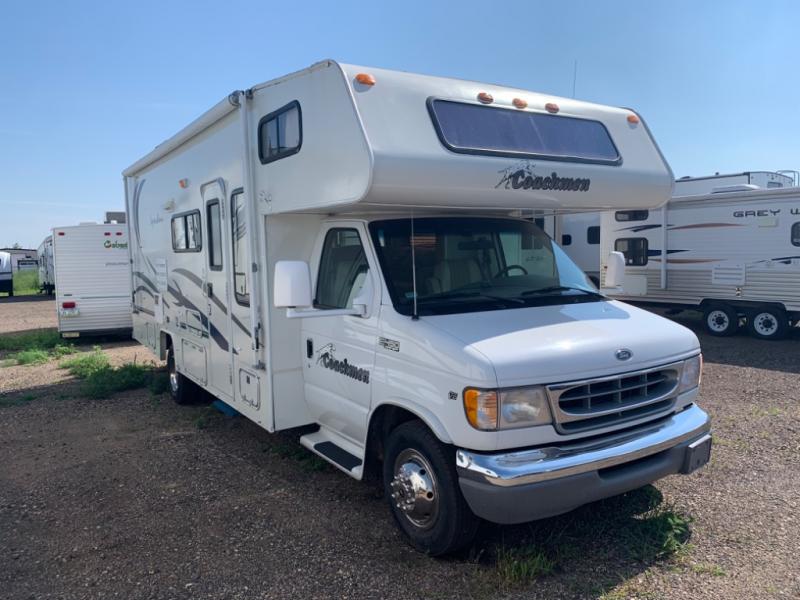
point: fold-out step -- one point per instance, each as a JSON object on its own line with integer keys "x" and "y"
{"x": 340, "y": 453}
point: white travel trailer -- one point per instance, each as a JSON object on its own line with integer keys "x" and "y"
{"x": 696, "y": 186}
{"x": 47, "y": 275}
{"x": 92, "y": 279}
{"x": 335, "y": 248}
{"x": 6, "y": 275}
{"x": 735, "y": 256}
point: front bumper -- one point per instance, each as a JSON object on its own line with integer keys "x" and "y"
{"x": 522, "y": 486}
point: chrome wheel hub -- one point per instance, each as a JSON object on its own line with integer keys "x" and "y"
{"x": 414, "y": 489}
{"x": 173, "y": 380}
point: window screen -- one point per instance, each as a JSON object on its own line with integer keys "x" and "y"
{"x": 342, "y": 269}
{"x": 280, "y": 133}
{"x": 214, "y": 224}
{"x": 624, "y": 216}
{"x": 239, "y": 238}
{"x": 186, "y": 232}
{"x": 796, "y": 234}
{"x": 634, "y": 249}
{"x": 475, "y": 129}
{"x": 593, "y": 235}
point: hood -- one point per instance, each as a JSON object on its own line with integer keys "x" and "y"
{"x": 550, "y": 344}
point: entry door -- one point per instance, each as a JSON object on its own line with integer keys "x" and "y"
{"x": 216, "y": 290}
{"x": 340, "y": 351}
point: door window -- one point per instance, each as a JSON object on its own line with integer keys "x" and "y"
{"x": 239, "y": 237}
{"x": 343, "y": 268}
{"x": 634, "y": 249}
{"x": 796, "y": 234}
{"x": 214, "y": 235}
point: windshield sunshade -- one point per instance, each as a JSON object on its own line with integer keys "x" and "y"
{"x": 474, "y": 129}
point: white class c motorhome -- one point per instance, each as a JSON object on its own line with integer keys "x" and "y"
{"x": 338, "y": 247}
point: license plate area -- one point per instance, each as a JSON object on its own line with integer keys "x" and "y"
{"x": 698, "y": 453}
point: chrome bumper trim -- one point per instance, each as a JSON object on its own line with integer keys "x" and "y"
{"x": 542, "y": 464}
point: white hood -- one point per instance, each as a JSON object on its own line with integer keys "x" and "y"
{"x": 550, "y": 344}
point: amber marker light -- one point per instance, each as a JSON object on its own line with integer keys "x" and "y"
{"x": 519, "y": 102}
{"x": 551, "y": 107}
{"x": 633, "y": 119}
{"x": 485, "y": 98}
{"x": 184, "y": 183}
{"x": 365, "y": 79}
{"x": 480, "y": 407}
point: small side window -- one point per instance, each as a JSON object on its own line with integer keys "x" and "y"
{"x": 214, "y": 224}
{"x": 239, "y": 239}
{"x": 566, "y": 239}
{"x": 634, "y": 249}
{"x": 280, "y": 133}
{"x": 624, "y": 216}
{"x": 593, "y": 235}
{"x": 186, "y": 235}
{"x": 343, "y": 268}
{"x": 796, "y": 234}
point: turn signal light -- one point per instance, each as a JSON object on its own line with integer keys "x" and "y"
{"x": 481, "y": 408}
{"x": 551, "y": 107}
{"x": 485, "y": 98}
{"x": 365, "y": 79}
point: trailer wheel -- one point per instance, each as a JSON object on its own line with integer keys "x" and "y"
{"x": 721, "y": 320}
{"x": 179, "y": 387}
{"x": 768, "y": 323}
{"x": 421, "y": 486}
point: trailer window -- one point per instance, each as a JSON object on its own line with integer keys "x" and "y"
{"x": 593, "y": 235}
{"x": 214, "y": 224}
{"x": 239, "y": 237}
{"x": 634, "y": 249}
{"x": 477, "y": 129}
{"x": 623, "y": 216}
{"x": 186, "y": 232}
{"x": 280, "y": 133}
{"x": 796, "y": 234}
{"x": 342, "y": 269}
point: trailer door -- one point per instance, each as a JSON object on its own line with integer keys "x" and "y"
{"x": 216, "y": 290}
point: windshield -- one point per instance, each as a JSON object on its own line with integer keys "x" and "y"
{"x": 475, "y": 264}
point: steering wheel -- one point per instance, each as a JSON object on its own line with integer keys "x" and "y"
{"x": 508, "y": 268}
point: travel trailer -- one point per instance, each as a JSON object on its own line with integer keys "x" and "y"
{"x": 696, "y": 186}
{"x": 735, "y": 256}
{"x": 341, "y": 248}
{"x": 47, "y": 275}
{"x": 6, "y": 275}
{"x": 92, "y": 279}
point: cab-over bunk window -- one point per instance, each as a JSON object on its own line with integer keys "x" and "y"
{"x": 186, "y": 236}
{"x": 280, "y": 133}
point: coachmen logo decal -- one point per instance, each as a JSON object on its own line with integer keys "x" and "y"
{"x": 522, "y": 176}
{"x": 110, "y": 244}
{"x": 327, "y": 359}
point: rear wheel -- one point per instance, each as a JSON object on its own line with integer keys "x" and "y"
{"x": 421, "y": 485}
{"x": 768, "y": 323}
{"x": 721, "y": 320}
{"x": 180, "y": 388}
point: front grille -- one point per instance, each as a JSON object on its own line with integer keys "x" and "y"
{"x": 590, "y": 404}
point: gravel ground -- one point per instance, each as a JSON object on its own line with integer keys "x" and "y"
{"x": 133, "y": 497}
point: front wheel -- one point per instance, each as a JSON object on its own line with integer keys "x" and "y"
{"x": 180, "y": 388}
{"x": 768, "y": 323}
{"x": 421, "y": 485}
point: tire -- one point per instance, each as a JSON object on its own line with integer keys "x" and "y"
{"x": 180, "y": 389}
{"x": 419, "y": 472}
{"x": 768, "y": 323}
{"x": 721, "y": 320}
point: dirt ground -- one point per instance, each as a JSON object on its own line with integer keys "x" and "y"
{"x": 134, "y": 497}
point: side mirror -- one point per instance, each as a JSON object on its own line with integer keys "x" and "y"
{"x": 292, "y": 284}
{"x": 615, "y": 270}
{"x": 363, "y": 300}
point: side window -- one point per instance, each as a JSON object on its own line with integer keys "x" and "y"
{"x": 566, "y": 239}
{"x": 342, "y": 269}
{"x": 624, "y": 216}
{"x": 593, "y": 235}
{"x": 239, "y": 238}
{"x": 214, "y": 224}
{"x": 186, "y": 232}
{"x": 634, "y": 249}
{"x": 796, "y": 234}
{"x": 280, "y": 133}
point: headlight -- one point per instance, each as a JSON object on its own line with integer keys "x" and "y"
{"x": 691, "y": 373}
{"x": 490, "y": 410}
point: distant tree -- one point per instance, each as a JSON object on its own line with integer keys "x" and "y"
{"x": 16, "y": 246}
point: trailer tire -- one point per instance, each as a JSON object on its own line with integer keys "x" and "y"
{"x": 768, "y": 323}
{"x": 721, "y": 320}
{"x": 421, "y": 486}
{"x": 180, "y": 388}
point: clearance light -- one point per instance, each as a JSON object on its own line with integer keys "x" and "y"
{"x": 485, "y": 98}
{"x": 60, "y": 233}
{"x": 365, "y": 79}
{"x": 551, "y": 107}
{"x": 67, "y": 305}
{"x": 519, "y": 102}
{"x": 184, "y": 183}
{"x": 107, "y": 233}
{"x": 119, "y": 233}
{"x": 633, "y": 119}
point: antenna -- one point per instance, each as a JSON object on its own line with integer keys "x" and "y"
{"x": 414, "y": 314}
{"x": 574, "y": 76}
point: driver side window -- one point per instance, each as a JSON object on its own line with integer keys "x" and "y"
{"x": 343, "y": 268}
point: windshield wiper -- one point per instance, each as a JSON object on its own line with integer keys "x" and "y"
{"x": 458, "y": 295}
{"x": 560, "y": 288}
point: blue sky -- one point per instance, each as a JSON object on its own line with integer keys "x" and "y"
{"x": 86, "y": 88}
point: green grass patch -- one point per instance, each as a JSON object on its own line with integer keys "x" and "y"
{"x": 6, "y": 401}
{"x": 101, "y": 380}
{"x": 519, "y": 566}
{"x": 39, "y": 339}
{"x": 85, "y": 365}
{"x": 37, "y": 349}
{"x": 292, "y": 450}
{"x": 26, "y": 283}
{"x": 657, "y": 534}
{"x": 31, "y": 357}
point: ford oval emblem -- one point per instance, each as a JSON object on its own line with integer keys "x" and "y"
{"x": 623, "y": 354}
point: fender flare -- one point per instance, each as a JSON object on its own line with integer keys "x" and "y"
{"x": 422, "y": 413}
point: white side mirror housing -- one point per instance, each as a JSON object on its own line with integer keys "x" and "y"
{"x": 615, "y": 270}
{"x": 363, "y": 300}
{"x": 292, "y": 284}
